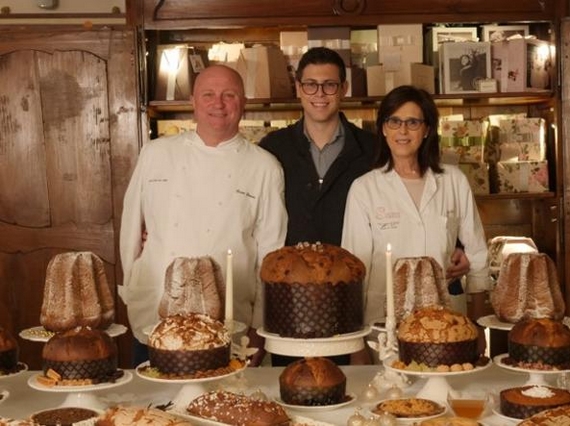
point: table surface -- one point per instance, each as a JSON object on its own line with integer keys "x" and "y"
{"x": 24, "y": 400}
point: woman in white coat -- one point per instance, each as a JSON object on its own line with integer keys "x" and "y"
{"x": 411, "y": 201}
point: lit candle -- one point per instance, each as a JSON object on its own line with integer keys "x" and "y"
{"x": 389, "y": 283}
{"x": 229, "y": 287}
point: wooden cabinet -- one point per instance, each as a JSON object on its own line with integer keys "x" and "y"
{"x": 69, "y": 140}
{"x": 540, "y": 216}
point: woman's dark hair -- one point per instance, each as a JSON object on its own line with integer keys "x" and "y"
{"x": 428, "y": 154}
{"x": 321, "y": 56}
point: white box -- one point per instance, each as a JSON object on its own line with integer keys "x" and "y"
{"x": 529, "y": 65}
{"x": 398, "y": 47}
{"x": 462, "y": 65}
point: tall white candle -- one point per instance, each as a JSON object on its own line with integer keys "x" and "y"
{"x": 389, "y": 283}
{"x": 229, "y": 287}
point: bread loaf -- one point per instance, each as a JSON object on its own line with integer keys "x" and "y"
{"x": 237, "y": 410}
{"x": 193, "y": 285}
{"x": 418, "y": 282}
{"x": 76, "y": 293}
{"x": 134, "y": 416}
{"x": 528, "y": 287}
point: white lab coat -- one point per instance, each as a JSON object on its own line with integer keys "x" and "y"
{"x": 197, "y": 200}
{"x": 379, "y": 210}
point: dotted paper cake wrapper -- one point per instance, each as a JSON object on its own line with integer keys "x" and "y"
{"x": 92, "y": 369}
{"x": 548, "y": 356}
{"x": 314, "y": 396}
{"x": 188, "y": 362}
{"x": 8, "y": 359}
{"x": 313, "y": 310}
{"x": 434, "y": 354}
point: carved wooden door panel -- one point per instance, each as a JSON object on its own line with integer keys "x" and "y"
{"x": 68, "y": 142}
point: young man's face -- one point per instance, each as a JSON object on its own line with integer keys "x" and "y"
{"x": 323, "y": 105}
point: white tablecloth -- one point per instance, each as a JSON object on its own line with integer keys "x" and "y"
{"x": 24, "y": 400}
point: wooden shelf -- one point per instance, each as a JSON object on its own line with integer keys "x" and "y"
{"x": 476, "y": 99}
{"x": 516, "y": 196}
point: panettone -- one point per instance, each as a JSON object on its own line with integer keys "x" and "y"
{"x": 540, "y": 341}
{"x": 436, "y": 336}
{"x": 312, "y": 381}
{"x": 9, "y": 351}
{"x": 80, "y": 354}
{"x": 185, "y": 344}
{"x": 312, "y": 291}
{"x": 528, "y": 287}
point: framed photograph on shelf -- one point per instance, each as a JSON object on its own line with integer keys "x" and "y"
{"x": 462, "y": 65}
{"x": 503, "y": 32}
{"x": 436, "y": 36}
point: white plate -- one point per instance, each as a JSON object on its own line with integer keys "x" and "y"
{"x": 388, "y": 365}
{"x": 415, "y": 420}
{"x": 22, "y": 367}
{"x": 40, "y": 334}
{"x": 200, "y": 421}
{"x": 497, "y": 412}
{"x": 4, "y": 394}
{"x": 325, "y": 346}
{"x": 202, "y": 379}
{"x": 34, "y": 383}
{"x": 498, "y": 359}
{"x": 491, "y": 321}
{"x": 315, "y": 408}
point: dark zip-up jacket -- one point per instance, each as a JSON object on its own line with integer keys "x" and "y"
{"x": 316, "y": 210}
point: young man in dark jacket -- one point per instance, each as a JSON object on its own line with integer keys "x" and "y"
{"x": 321, "y": 155}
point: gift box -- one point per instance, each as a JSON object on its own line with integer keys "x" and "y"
{"x": 478, "y": 177}
{"x": 528, "y": 66}
{"x": 525, "y": 130}
{"x": 462, "y": 141}
{"x": 335, "y": 38}
{"x": 521, "y": 151}
{"x": 523, "y": 176}
{"x": 176, "y": 69}
{"x": 399, "y": 46}
{"x": 264, "y": 73}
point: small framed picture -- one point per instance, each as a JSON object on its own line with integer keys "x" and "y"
{"x": 436, "y": 36}
{"x": 494, "y": 33}
{"x": 463, "y": 64}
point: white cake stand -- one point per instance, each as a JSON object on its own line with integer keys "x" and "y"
{"x": 81, "y": 396}
{"x": 191, "y": 388}
{"x": 535, "y": 377}
{"x": 327, "y": 346}
{"x": 436, "y": 387}
{"x": 40, "y": 334}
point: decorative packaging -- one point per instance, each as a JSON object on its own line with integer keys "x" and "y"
{"x": 522, "y": 176}
{"x": 478, "y": 177}
{"x": 462, "y": 141}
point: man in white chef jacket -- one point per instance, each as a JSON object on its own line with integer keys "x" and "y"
{"x": 201, "y": 193}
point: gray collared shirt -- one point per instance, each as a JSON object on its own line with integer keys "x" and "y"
{"x": 323, "y": 158}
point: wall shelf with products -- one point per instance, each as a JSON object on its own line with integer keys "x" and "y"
{"x": 204, "y": 23}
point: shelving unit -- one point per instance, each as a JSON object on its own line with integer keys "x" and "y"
{"x": 202, "y": 23}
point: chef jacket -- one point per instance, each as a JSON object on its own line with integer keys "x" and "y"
{"x": 380, "y": 211}
{"x": 196, "y": 200}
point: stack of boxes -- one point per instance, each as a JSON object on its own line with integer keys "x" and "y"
{"x": 462, "y": 142}
{"x": 522, "y": 165}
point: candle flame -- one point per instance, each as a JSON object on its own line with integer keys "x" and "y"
{"x": 389, "y": 247}
{"x": 229, "y": 252}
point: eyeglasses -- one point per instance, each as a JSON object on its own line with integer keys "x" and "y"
{"x": 312, "y": 87}
{"x": 395, "y": 123}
